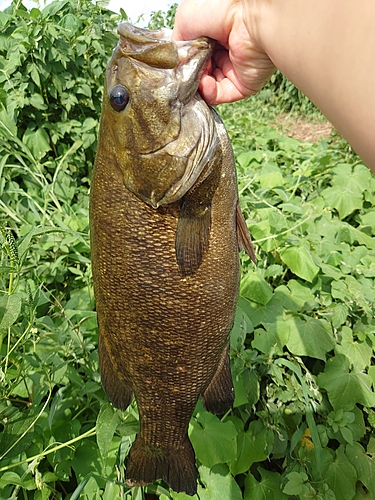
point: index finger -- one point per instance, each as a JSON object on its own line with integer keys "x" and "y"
{"x": 195, "y": 18}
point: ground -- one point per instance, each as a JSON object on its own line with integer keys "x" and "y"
{"x": 302, "y": 129}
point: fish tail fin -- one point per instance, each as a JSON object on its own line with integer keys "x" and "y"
{"x": 219, "y": 395}
{"x": 147, "y": 463}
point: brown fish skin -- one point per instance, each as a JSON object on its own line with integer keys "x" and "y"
{"x": 166, "y": 277}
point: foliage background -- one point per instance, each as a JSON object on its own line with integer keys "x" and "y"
{"x": 304, "y": 336}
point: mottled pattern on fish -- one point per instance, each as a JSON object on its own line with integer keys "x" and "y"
{"x": 164, "y": 319}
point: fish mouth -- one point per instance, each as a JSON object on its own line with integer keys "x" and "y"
{"x": 155, "y": 47}
{"x": 141, "y": 36}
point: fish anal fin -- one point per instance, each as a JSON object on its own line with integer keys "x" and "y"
{"x": 243, "y": 235}
{"x": 119, "y": 395}
{"x": 219, "y": 395}
{"x": 176, "y": 466}
{"x": 192, "y": 237}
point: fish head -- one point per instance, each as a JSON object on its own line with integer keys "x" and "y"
{"x": 162, "y": 133}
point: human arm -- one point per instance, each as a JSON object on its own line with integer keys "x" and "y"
{"x": 326, "y": 48}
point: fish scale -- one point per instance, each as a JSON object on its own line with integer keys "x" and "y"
{"x": 165, "y": 299}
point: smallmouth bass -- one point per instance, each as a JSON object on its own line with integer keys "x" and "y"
{"x": 165, "y": 233}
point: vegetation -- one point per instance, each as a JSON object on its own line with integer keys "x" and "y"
{"x": 303, "y": 341}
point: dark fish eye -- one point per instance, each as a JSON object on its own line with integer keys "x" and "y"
{"x": 118, "y": 97}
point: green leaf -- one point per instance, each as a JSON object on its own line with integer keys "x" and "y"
{"x": 7, "y": 269}
{"x": 348, "y": 185}
{"x": 347, "y": 434}
{"x": 241, "y": 327}
{"x": 35, "y": 74}
{"x": 246, "y": 387}
{"x": 262, "y": 234}
{"x": 255, "y": 288}
{"x": 37, "y": 141}
{"x": 296, "y": 484}
{"x": 219, "y": 484}
{"x": 346, "y": 388}
{"x": 358, "y": 177}
{"x": 254, "y": 445}
{"x": 344, "y": 200}
{"x": 36, "y": 100}
{"x": 34, "y": 13}
{"x": 17, "y": 434}
{"x": 10, "y": 478}
{"x": 363, "y": 463}
{"x": 294, "y": 295}
{"x": 71, "y": 23}
{"x": 331, "y": 271}
{"x": 106, "y": 424}
{"x": 270, "y": 177}
{"x": 53, "y": 8}
{"x": 13, "y": 478}
{"x": 179, "y": 496}
{"x": 310, "y": 337}
{"x": 359, "y": 353}
{"x": 4, "y": 18}
{"x": 369, "y": 219}
{"x": 89, "y": 123}
{"x": 273, "y": 339}
{"x": 268, "y": 488}
{"x": 113, "y": 492}
{"x": 340, "y": 313}
{"x": 299, "y": 261}
{"x": 357, "y": 428}
{"x": 261, "y": 314}
{"x": 361, "y": 237}
{"x": 10, "y": 308}
{"x": 57, "y": 399}
{"x": 7, "y": 125}
{"x": 340, "y": 475}
{"x": 87, "y": 459}
{"x": 214, "y": 441}
{"x": 245, "y": 159}
{"x": 35, "y": 231}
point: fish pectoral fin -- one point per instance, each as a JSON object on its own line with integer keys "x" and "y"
{"x": 119, "y": 395}
{"x": 176, "y": 466}
{"x": 243, "y": 235}
{"x": 192, "y": 236}
{"x": 219, "y": 395}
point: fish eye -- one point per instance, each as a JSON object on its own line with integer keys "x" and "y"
{"x": 118, "y": 97}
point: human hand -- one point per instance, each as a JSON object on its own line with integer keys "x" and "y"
{"x": 239, "y": 67}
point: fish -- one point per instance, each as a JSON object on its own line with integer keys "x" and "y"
{"x": 165, "y": 230}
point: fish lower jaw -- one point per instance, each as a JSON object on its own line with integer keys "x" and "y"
{"x": 167, "y": 199}
{"x": 152, "y": 201}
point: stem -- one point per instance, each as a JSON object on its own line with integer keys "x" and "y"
{"x": 6, "y": 360}
{"x": 44, "y": 453}
{"x": 9, "y": 352}
{"x": 24, "y": 434}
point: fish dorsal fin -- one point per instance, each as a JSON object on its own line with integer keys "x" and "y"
{"x": 243, "y": 235}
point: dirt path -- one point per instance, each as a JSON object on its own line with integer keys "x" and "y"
{"x": 303, "y": 130}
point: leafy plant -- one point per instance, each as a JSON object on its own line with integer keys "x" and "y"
{"x": 289, "y": 98}
{"x": 160, "y": 19}
{"x": 302, "y": 345}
